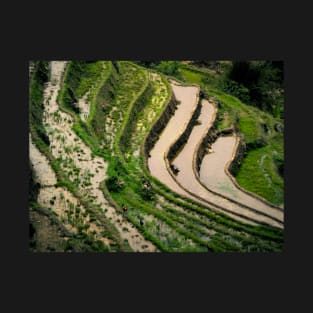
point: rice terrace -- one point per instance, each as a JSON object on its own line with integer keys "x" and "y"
{"x": 156, "y": 156}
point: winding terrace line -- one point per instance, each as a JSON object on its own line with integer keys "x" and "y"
{"x": 62, "y": 126}
{"x": 214, "y": 175}
{"x": 186, "y": 183}
{"x": 187, "y": 177}
{"x": 157, "y": 164}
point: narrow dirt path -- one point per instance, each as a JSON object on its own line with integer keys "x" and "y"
{"x": 79, "y": 164}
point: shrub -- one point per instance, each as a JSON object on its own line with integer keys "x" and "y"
{"x": 114, "y": 184}
{"x": 236, "y": 89}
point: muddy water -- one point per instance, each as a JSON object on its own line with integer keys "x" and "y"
{"x": 176, "y": 125}
{"x": 185, "y": 157}
{"x": 225, "y": 145}
{"x": 212, "y": 170}
{"x": 187, "y": 182}
{"x": 212, "y": 174}
{"x": 69, "y": 147}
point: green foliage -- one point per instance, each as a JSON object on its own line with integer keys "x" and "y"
{"x": 114, "y": 184}
{"x": 259, "y": 174}
{"x": 192, "y": 76}
{"x": 103, "y": 103}
{"x": 236, "y": 89}
{"x": 82, "y": 74}
{"x": 263, "y": 81}
{"x": 147, "y": 192}
{"x": 279, "y": 162}
{"x": 133, "y": 116}
{"x": 83, "y": 243}
{"x": 70, "y": 100}
{"x": 168, "y": 67}
{"x": 36, "y": 100}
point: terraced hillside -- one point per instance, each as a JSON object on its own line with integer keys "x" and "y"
{"x": 117, "y": 153}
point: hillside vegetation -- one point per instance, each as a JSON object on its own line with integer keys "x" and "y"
{"x": 125, "y": 99}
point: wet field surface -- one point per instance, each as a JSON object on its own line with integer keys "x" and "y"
{"x": 185, "y": 182}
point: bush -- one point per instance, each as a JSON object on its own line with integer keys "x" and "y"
{"x": 70, "y": 100}
{"x": 238, "y": 90}
{"x": 258, "y": 143}
{"x": 168, "y": 67}
{"x": 279, "y": 162}
{"x": 147, "y": 193}
{"x": 264, "y": 82}
{"x": 114, "y": 184}
{"x": 36, "y": 99}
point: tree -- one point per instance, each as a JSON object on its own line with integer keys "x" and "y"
{"x": 262, "y": 79}
{"x": 168, "y": 67}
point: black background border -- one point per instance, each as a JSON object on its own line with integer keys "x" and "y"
{"x": 151, "y": 281}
